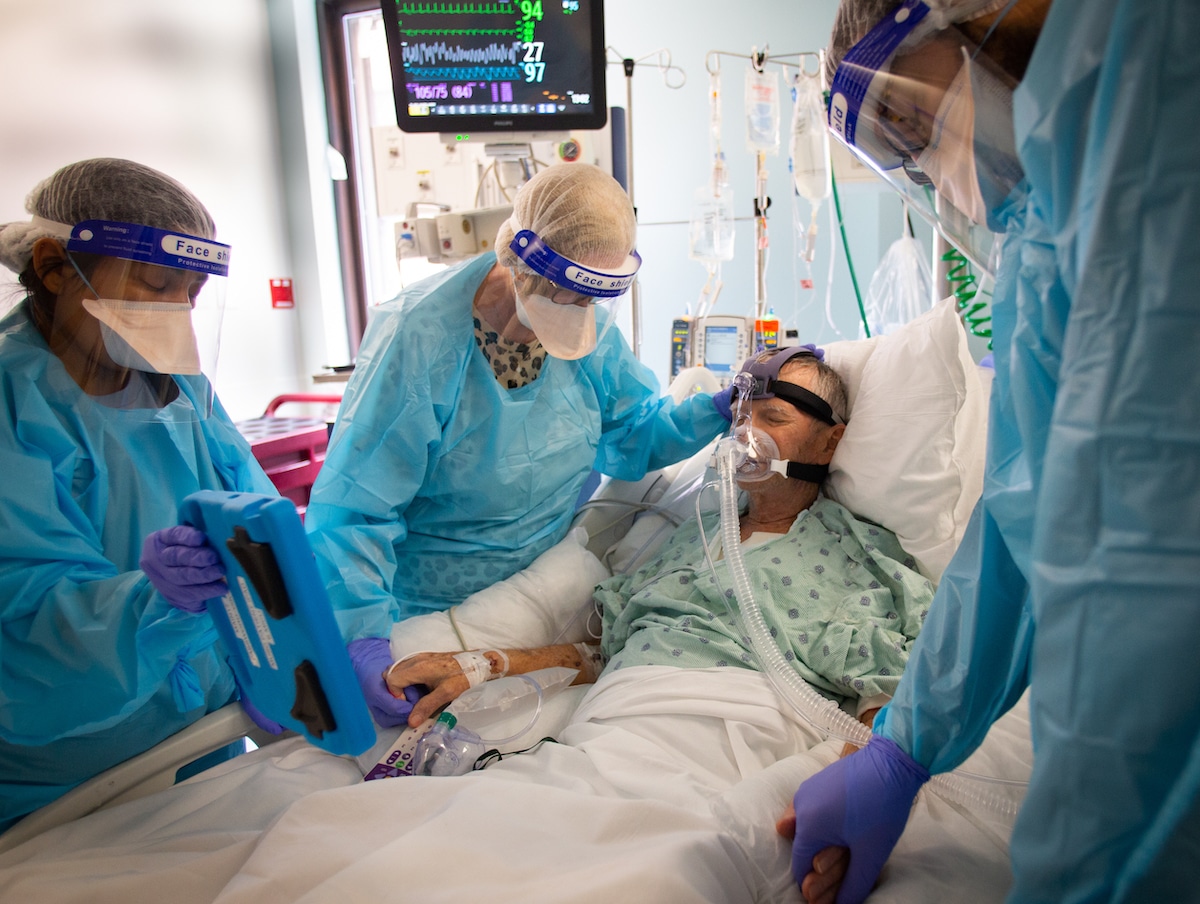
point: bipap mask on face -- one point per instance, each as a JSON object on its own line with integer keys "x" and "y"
{"x": 755, "y": 454}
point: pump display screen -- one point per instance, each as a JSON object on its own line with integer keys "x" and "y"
{"x": 497, "y": 65}
{"x": 721, "y": 348}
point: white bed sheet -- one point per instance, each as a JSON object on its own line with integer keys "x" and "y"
{"x": 665, "y": 788}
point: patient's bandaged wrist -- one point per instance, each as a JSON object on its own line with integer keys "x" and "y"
{"x": 478, "y": 668}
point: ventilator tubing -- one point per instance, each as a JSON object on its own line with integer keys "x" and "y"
{"x": 818, "y": 711}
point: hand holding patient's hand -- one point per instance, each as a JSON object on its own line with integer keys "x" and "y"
{"x": 857, "y": 804}
{"x": 439, "y": 673}
{"x": 821, "y": 884}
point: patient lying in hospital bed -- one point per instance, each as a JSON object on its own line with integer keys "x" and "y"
{"x": 839, "y": 594}
{"x": 666, "y": 782}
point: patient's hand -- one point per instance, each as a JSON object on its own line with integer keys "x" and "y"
{"x": 440, "y": 672}
{"x": 821, "y": 884}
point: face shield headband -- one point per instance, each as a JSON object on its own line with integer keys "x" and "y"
{"x": 562, "y": 271}
{"x": 891, "y": 122}
{"x": 146, "y": 244}
{"x": 152, "y": 330}
{"x": 767, "y": 384}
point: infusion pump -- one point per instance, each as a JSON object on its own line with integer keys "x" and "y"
{"x": 721, "y": 342}
{"x": 718, "y": 342}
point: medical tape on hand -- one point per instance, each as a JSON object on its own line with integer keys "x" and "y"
{"x": 476, "y": 667}
{"x": 591, "y": 661}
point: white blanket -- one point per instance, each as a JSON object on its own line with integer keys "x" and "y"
{"x": 665, "y": 788}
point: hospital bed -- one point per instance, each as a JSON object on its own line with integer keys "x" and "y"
{"x": 665, "y": 783}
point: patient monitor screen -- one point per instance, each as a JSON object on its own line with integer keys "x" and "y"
{"x": 497, "y": 66}
{"x": 721, "y": 349}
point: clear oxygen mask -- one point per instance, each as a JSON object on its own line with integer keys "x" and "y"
{"x": 752, "y": 452}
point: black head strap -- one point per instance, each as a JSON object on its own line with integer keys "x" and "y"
{"x": 811, "y": 473}
{"x": 804, "y": 399}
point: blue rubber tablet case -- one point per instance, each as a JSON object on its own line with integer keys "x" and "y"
{"x": 277, "y": 622}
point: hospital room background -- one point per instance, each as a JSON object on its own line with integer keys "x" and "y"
{"x": 279, "y": 114}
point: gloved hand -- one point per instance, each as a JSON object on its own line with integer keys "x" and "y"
{"x": 183, "y": 567}
{"x": 860, "y": 802}
{"x": 723, "y": 402}
{"x": 257, "y": 716}
{"x": 372, "y": 656}
{"x": 818, "y": 353}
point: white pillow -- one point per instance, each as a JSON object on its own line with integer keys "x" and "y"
{"x": 549, "y": 602}
{"x": 912, "y": 457}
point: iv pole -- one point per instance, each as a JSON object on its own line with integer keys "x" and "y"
{"x": 759, "y": 59}
{"x": 627, "y": 64}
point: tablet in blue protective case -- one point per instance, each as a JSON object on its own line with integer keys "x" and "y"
{"x": 277, "y": 622}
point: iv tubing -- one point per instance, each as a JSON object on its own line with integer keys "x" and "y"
{"x": 820, "y": 712}
{"x": 541, "y": 696}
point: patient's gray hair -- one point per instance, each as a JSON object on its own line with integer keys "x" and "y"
{"x": 827, "y": 384}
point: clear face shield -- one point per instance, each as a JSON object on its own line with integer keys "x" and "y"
{"x": 567, "y": 305}
{"x": 925, "y": 110}
{"x": 137, "y": 320}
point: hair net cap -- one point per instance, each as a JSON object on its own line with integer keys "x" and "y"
{"x": 104, "y": 188}
{"x": 854, "y": 18}
{"x": 578, "y": 210}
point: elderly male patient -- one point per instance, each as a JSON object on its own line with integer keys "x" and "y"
{"x": 839, "y": 594}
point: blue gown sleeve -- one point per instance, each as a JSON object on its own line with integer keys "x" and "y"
{"x": 641, "y": 429}
{"x": 970, "y": 663}
{"x": 390, "y": 420}
{"x": 86, "y": 641}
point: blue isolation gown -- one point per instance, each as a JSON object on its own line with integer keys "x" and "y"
{"x": 1080, "y": 572}
{"x": 95, "y": 666}
{"x": 439, "y": 481}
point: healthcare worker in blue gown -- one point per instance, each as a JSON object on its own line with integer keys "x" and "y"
{"x": 482, "y": 398}
{"x": 1079, "y": 576}
{"x": 106, "y": 423}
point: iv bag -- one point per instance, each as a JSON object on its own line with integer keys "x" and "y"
{"x": 762, "y": 111}
{"x": 710, "y": 232}
{"x": 809, "y": 141}
{"x": 901, "y": 289}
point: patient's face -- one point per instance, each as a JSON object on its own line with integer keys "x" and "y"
{"x": 799, "y": 436}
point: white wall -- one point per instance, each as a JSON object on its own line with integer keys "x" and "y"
{"x": 186, "y": 88}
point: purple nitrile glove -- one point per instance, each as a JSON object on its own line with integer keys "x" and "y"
{"x": 372, "y": 656}
{"x": 860, "y": 802}
{"x": 183, "y": 567}
{"x": 723, "y": 402}
{"x": 818, "y": 353}
{"x": 257, "y": 716}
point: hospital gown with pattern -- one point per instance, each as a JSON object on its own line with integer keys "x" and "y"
{"x": 439, "y": 481}
{"x": 95, "y": 666}
{"x": 839, "y": 594}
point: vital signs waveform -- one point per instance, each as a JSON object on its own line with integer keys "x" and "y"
{"x": 480, "y": 73}
{"x": 422, "y": 54}
{"x": 454, "y": 8}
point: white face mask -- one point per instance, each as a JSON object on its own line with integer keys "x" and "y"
{"x": 949, "y": 158}
{"x": 152, "y": 336}
{"x": 566, "y": 331}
